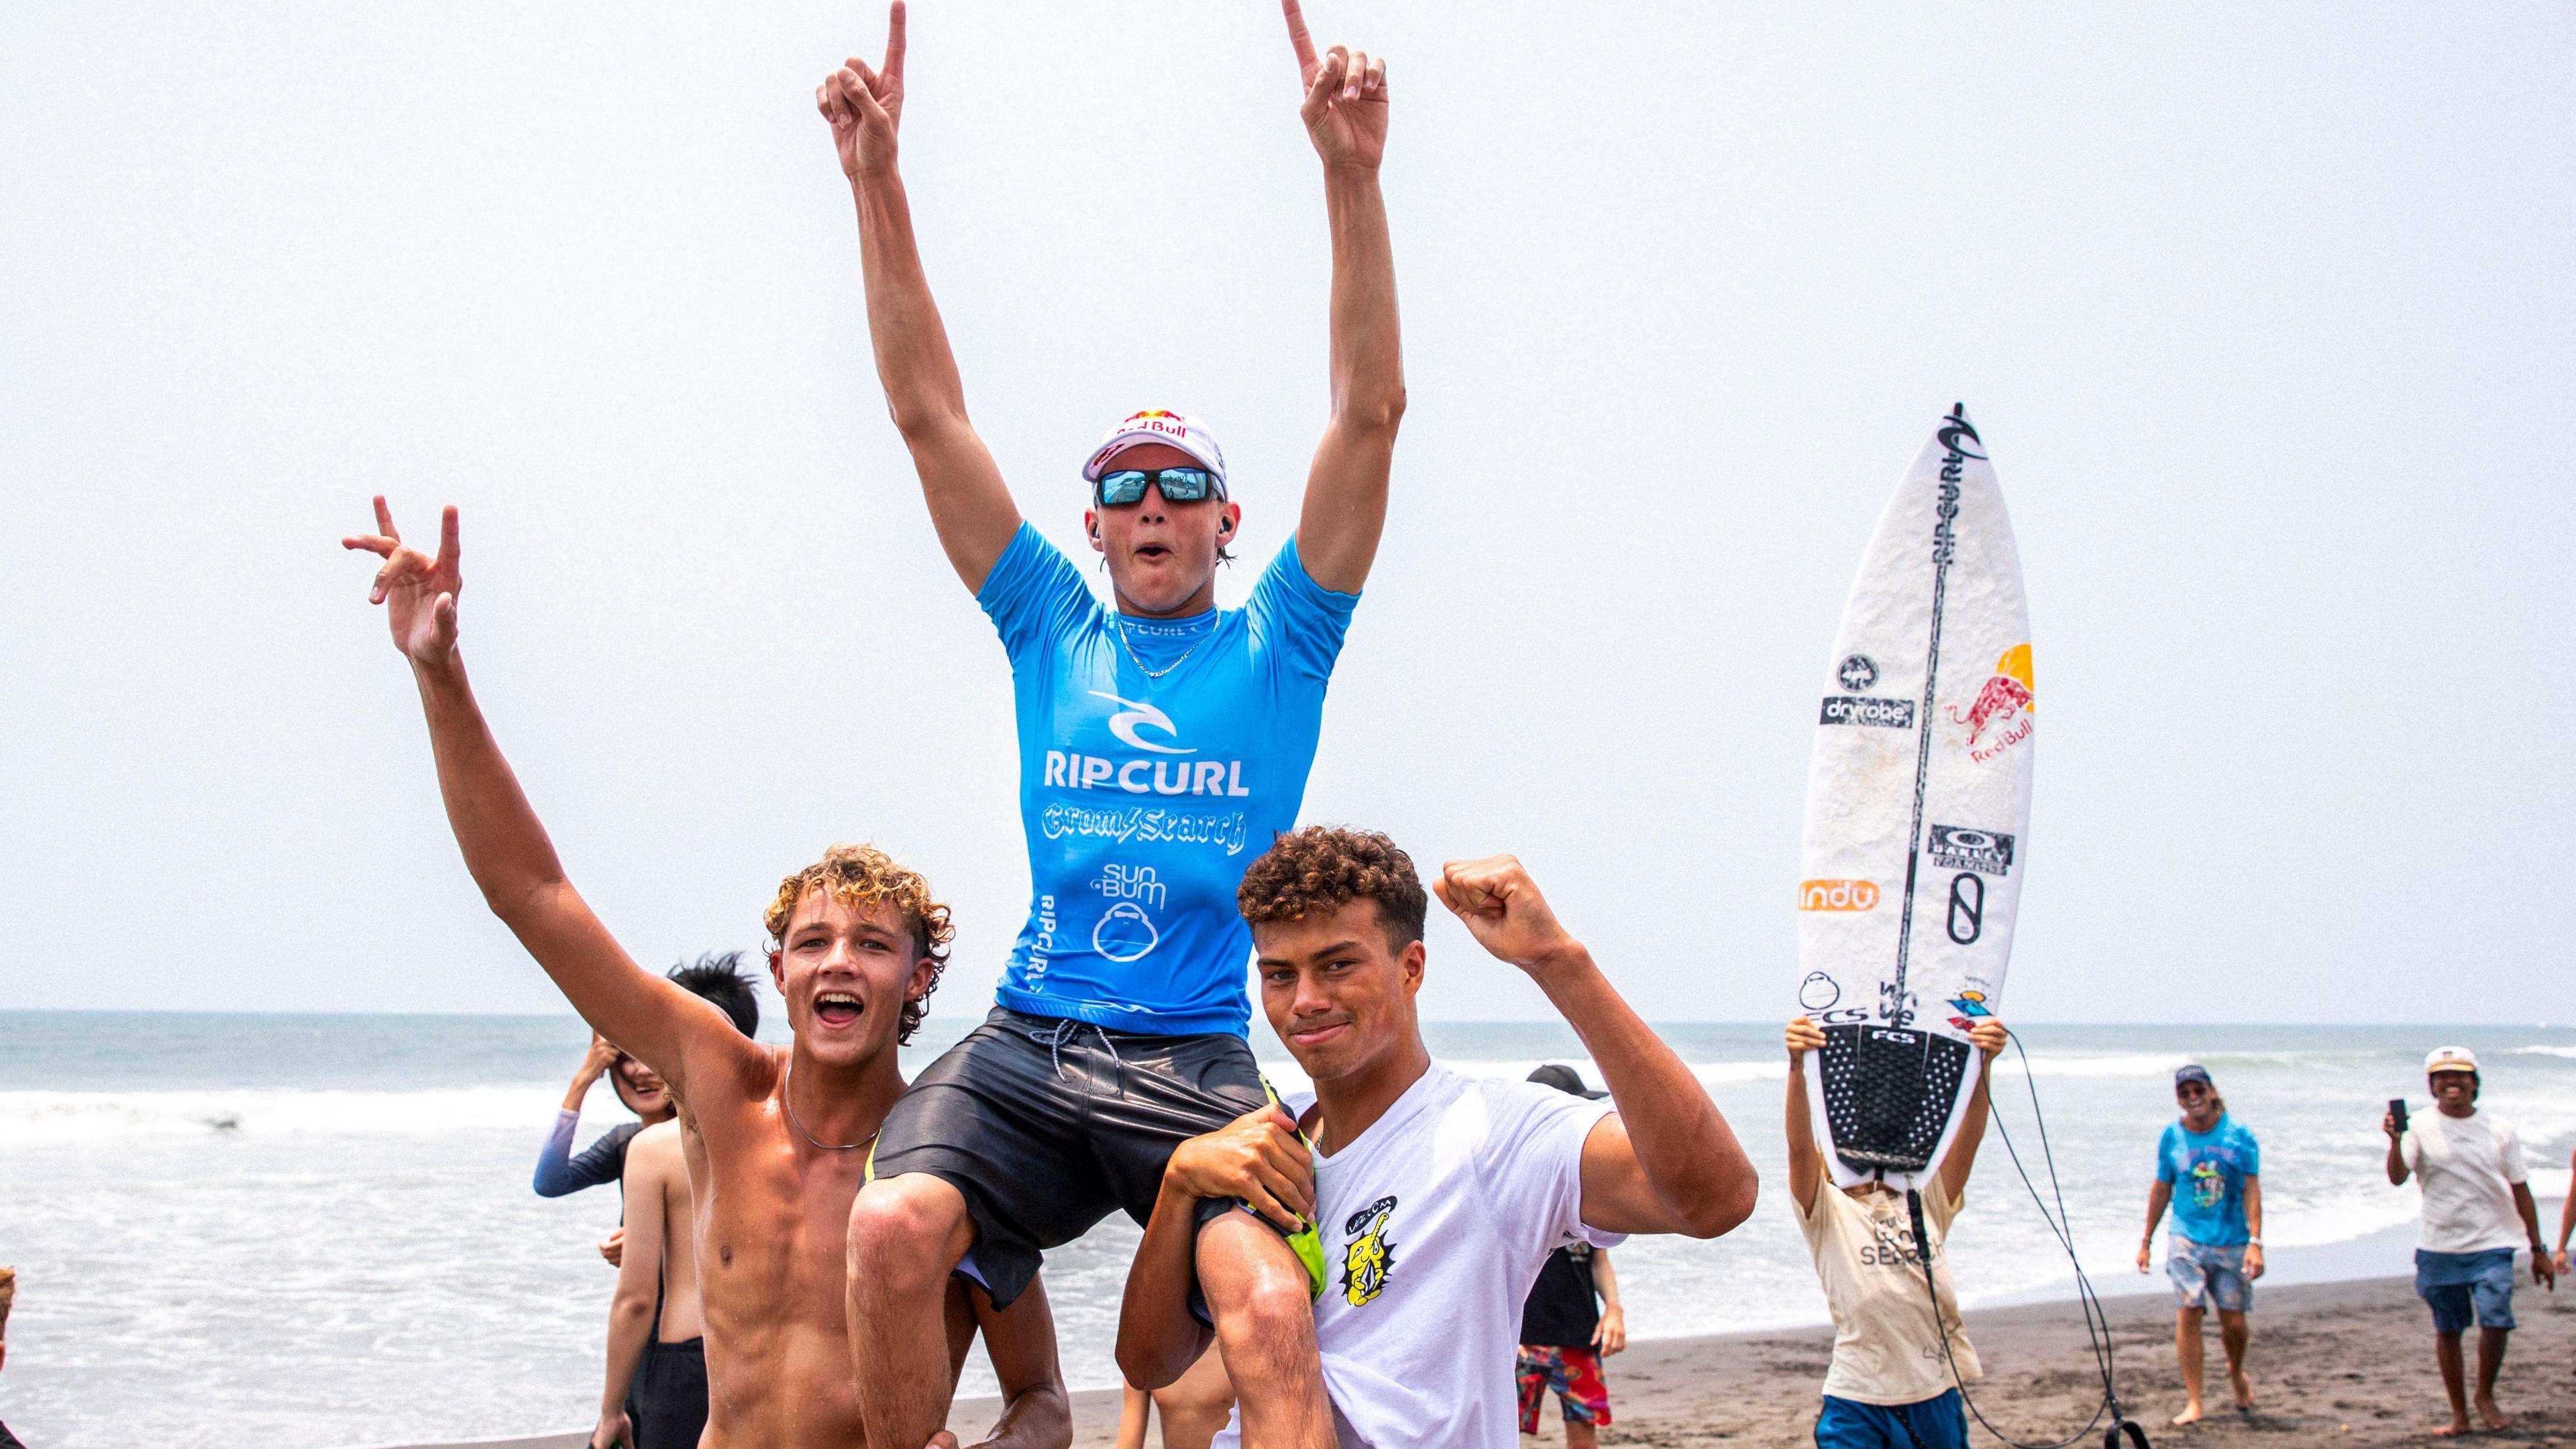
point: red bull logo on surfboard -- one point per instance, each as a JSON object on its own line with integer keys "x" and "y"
{"x": 2001, "y": 712}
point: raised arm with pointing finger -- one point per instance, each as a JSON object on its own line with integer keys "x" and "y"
{"x": 1345, "y": 113}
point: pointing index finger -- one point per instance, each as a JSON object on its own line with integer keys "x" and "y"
{"x": 1298, "y": 38}
{"x": 894, "y": 42}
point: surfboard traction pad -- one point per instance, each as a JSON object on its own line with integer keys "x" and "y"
{"x": 1888, "y": 1093}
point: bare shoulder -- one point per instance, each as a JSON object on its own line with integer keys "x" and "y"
{"x": 657, "y": 1148}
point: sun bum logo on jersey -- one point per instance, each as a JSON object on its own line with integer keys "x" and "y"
{"x": 1861, "y": 709}
{"x": 1837, "y": 895}
{"x": 1986, "y": 852}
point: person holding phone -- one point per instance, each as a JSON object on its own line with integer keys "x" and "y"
{"x": 2210, "y": 1169}
{"x": 2477, "y": 1208}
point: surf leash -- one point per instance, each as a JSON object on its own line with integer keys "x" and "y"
{"x": 2097, "y": 1323}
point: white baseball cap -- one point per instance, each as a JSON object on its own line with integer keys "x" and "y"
{"x": 1154, "y": 425}
{"x": 2450, "y": 1059}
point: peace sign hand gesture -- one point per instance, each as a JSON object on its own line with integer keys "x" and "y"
{"x": 865, "y": 105}
{"x": 418, "y": 592}
{"x": 1345, "y": 110}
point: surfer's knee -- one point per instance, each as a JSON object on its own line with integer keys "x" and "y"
{"x": 1256, "y": 1290}
{"x": 912, "y": 1226}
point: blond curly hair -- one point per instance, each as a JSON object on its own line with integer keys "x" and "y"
{"x": 864, "y": 876}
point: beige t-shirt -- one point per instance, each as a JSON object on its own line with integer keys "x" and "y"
{"x": 1885, "y": 1351}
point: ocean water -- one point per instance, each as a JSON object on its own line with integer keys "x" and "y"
{"x": 311, "y": 1232}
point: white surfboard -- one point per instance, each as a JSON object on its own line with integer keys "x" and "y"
{"x": 1918, "y": 812}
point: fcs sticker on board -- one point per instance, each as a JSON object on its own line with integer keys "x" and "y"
{"x": 1920, "y": 781}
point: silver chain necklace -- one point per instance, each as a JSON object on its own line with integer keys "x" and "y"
{"x": 787, "y": 1099}
{"x": 1140, "y": 664}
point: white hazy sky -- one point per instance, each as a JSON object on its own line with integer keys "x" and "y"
{"x": 2267, "y": 314}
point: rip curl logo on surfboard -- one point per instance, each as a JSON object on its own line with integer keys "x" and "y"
{"x": 1368, "y": 1257}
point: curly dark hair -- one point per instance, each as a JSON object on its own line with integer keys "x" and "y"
{"x": 864, "y": 876}
{"x": 1322, "y": 868}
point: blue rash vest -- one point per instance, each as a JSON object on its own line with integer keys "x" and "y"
{"x": 1144, "y": 799}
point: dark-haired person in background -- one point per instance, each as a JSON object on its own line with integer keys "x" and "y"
{"x": 1572, "y": 1320}
{"x": 559, "y": 1173}
{"x": 655, "y": 1393}
{"x": 1439, "y": 1195}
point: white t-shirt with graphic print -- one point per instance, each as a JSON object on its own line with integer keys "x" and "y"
{"x": 1435, "y": 1223}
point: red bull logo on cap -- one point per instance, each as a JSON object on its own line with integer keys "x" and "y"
{"x": 2003, "y": 705}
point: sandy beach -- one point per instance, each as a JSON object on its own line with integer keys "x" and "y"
{"x": 2347, "y": 1363}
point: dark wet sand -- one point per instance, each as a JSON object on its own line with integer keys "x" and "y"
{"x": 2340, "y": 1363}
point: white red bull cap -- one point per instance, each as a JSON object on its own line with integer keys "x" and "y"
{"x": 1154, "y": 425}
{"x": 2450, "y": 1059}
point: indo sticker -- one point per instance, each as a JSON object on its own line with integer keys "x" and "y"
{"x": 1837, "y": 895}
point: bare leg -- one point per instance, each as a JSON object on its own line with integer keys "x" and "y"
{"x": 1265, "y": 1326}
{"x": 2187, "y": 1349}
{"x": 2232, "y": 1334}
{"x": 906, "y": 1235}
{"x": 1580, "y": 1435}
{"x": 1196, "y": 1405}
{"x": 2446, "y": 1352}
{"x": 2491, "y": 1342}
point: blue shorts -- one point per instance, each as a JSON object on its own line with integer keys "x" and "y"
{"x": 2456, "y": 1284}
{"x": 1931, "y": 1424}
{"x": 2208, "y": 1274}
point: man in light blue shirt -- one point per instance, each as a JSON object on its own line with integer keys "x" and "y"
{"x": 1163, "y": 742}
{"x": 2210, "y": 1169}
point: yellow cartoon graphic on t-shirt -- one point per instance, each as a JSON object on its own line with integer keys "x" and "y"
{"x": 1368, "y": 1256}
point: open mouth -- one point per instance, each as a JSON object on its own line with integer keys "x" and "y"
{"x": 837, "y": 1009}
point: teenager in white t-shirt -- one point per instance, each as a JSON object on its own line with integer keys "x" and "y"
{"x": 1893, "y": 1382}
{"x": 1437, "y": 1197}
{"x": 2469, "y": 1164}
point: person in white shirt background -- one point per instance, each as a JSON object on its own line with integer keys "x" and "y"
{"x": 1437, "y": 1196}
{"x": 2468, "y": 1164}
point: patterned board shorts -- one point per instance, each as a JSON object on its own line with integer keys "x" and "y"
{"x": 2208, "y": 1275}
{"x": 1575, "y": 1375}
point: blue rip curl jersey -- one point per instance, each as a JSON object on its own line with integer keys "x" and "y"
{"x": 1144, "y": 799}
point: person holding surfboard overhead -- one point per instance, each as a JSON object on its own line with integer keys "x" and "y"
{"x": 1894, "y": 1380}
{"x": 1163, "y": 743}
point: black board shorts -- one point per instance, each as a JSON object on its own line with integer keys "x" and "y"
{"x": 1047, "y": 1125}
{"x": 666, "y": 1402}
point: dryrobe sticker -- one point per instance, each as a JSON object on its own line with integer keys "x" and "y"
{"x": 1837, "y": 895}
{"x": 1856, "y": 709}
{"x": 1987, "y": 852}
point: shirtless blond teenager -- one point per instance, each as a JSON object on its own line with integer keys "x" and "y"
{"x": 776, "y": 1141}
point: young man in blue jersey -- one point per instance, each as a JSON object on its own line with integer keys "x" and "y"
{"x": 1163, "y": 743}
